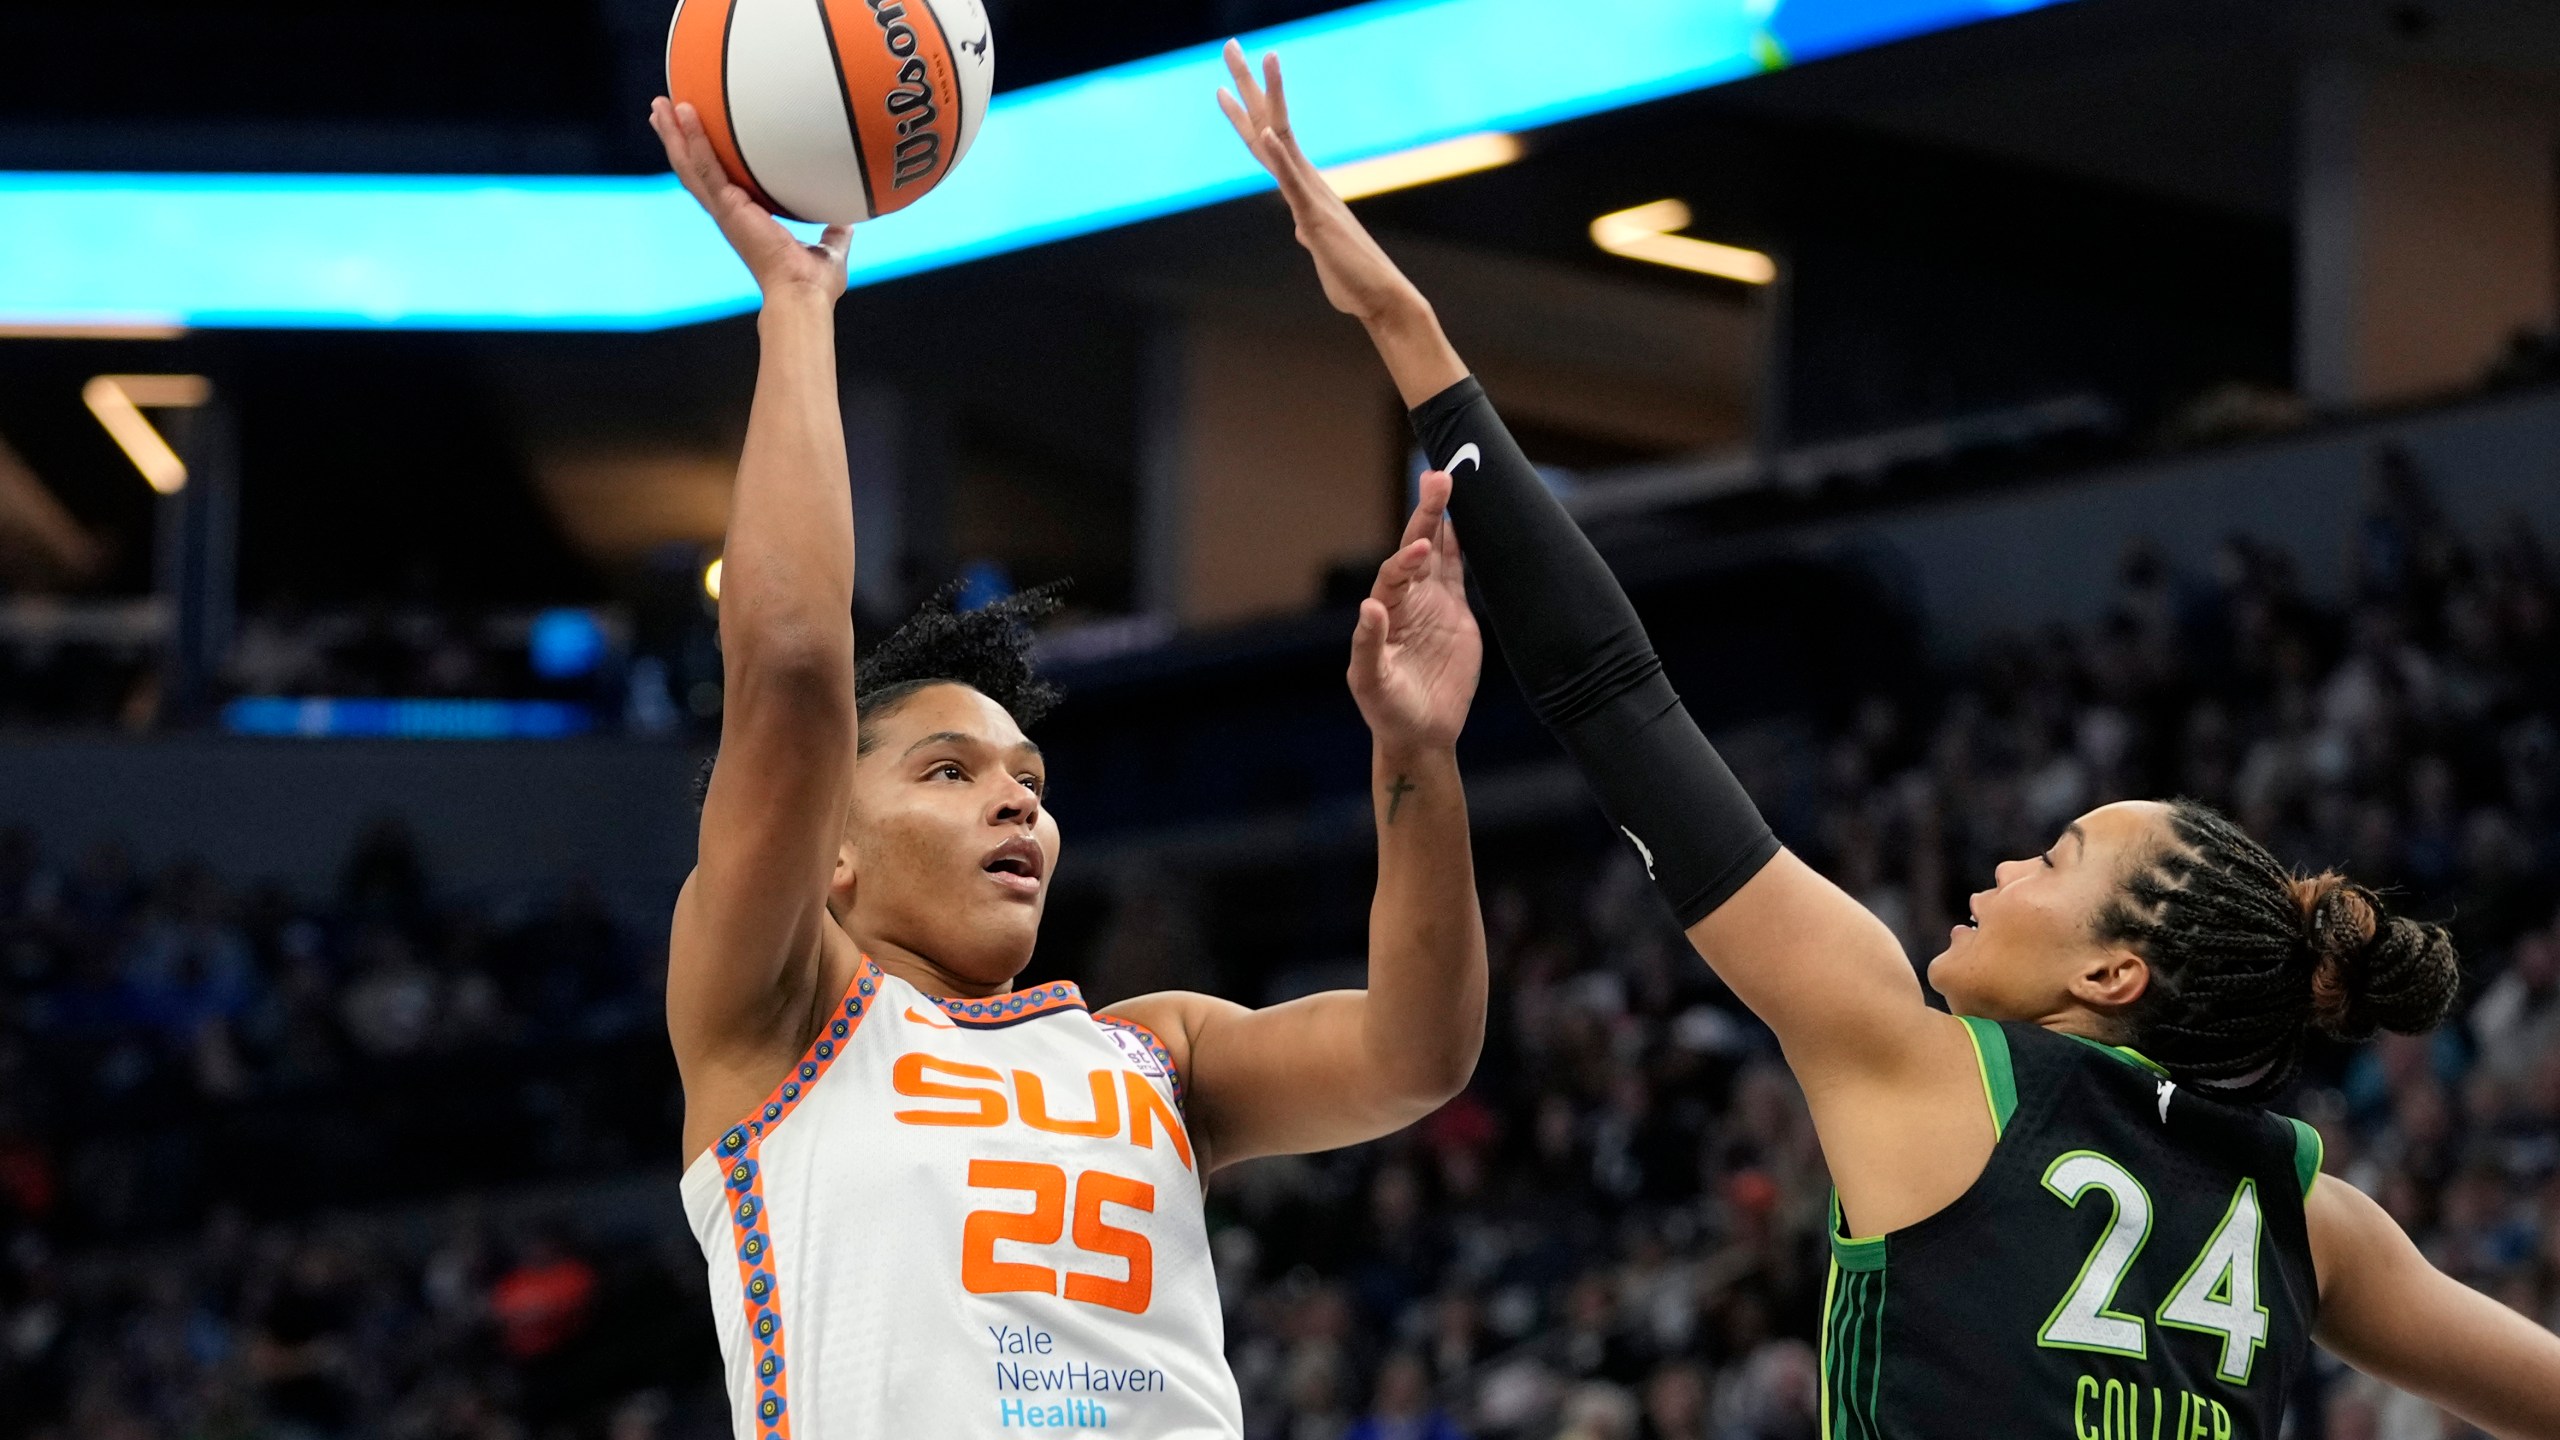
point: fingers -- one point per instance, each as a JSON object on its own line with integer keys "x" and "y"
{"x": 1303, "y": 190}
{"x": 837, "y": 242}
{"x": 1276, "y": 99}
{"x": 662, "y": 119}
{"x": 1260, "y": 115}
{"x": 1246, "y": 90}
{"x": 1369, "y": 640}
{"x": 689, "y": 151}
{"x": 697, "y": 141}
{"x": 1243, "y": 124}
{"x": 1425, "y": 519}
{"x": 1400, "y": 570}
{"x": 1431, "y": 514}
{"x": 1433, "y": 493}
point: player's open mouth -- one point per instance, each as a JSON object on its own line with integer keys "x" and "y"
{"x": 1017, "y": 865}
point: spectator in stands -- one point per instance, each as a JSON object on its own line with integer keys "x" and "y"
{"x": 1401, "y": 1407}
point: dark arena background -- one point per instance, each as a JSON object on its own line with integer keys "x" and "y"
{"x": 2013, "y": 411}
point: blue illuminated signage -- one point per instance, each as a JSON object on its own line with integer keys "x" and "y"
{"x": 1068, "y": 158}
{"x": 312, "y": 719}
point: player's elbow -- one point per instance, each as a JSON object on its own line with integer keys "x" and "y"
{"x": 793, "y": 662}
{"x": 798, "y": 700}
{"x": 1424, "y": 1076}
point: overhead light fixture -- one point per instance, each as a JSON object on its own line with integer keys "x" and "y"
{"x": 119, "y": 400}
{"x": 1651, "y": 233}
{"x": 1423, "y": 164}
{"x": 711, "y": 578}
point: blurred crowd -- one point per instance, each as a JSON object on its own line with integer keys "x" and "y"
{"x": 1614, "y": 1235}
{"x": 647, "y": 667}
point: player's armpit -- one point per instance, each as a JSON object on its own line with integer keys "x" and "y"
{"x": 2388, "y": 1312}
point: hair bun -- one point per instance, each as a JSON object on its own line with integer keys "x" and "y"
{"x": 2372, "y": 970}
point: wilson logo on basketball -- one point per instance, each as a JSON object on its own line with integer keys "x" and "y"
{"x": 909, "y": 102}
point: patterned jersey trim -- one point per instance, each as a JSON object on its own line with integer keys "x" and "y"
{"x": 743, "y": 1176}
{"x": 997, "y": 1011}
{"x": 1155, "y": 1047}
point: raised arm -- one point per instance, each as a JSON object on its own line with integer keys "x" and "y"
{"x": 751, "y": 933}
{"x": 2390, "y": 1314}
{"x": 1351, "y": 1065}
{"x": 1808, "y": 959}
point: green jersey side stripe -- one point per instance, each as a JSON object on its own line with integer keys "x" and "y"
{"x": 1999, "y": 1077}
{"x": 1848, "y": 1254}
{"x": 2309, "y": 1150}
{"x": 1854, "y": 1329}
{"x": 1852, "y": 1344}
{"x": 1830, "y": 1317}
{"x": 1875, "y": 1377}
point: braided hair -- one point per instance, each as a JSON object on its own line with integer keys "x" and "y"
{"x": 2247, "y": 959}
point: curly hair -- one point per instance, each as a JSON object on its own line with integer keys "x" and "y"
{"x": 987, "y": 649}
{"x": 2248, "y": 959}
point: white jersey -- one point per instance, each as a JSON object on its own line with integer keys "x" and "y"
{"x": 962, "y": 1218}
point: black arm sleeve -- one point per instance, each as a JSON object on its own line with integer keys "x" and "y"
{"x": 1579, "y": 652}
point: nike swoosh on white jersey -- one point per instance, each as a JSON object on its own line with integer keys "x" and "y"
{"x": 938, "y": 1022}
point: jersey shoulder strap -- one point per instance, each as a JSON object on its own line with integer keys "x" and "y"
{"x": 1999, "y": 1071}
{"x": 2309, "y": 1151}
{"x": 2015, "y": 1056}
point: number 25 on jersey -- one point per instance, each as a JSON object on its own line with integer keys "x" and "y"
{"x": 981, "y": 1273}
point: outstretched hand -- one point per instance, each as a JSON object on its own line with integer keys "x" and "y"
{"x": 778, "y": 259}
{"x": 1358, "y": 277}
{"x": 1416, "y": 654}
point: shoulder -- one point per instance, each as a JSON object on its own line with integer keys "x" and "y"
{"x": 2351, "y": 1235}
{"x": 1171, "y": 1019}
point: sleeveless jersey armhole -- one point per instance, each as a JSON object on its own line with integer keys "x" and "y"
{"x": 1850, "y": 1254}
{"x": 1999, "y": 1077}
{"x": 2309, "y": 1150}
{"x": 1155, "y": 1049}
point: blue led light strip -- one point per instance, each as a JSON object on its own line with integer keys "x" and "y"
{"x": 321, "y": 718}
{"x": 1068, "y": 158}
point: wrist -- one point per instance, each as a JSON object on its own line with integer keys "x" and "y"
{"x": 789, "y": 300}
{"x": 1402, "y": 312}
{"x": 1405, "y": 753}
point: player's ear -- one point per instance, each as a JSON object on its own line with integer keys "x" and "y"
{"x": 2111, "y": 979}
{"x": 840, "y": 881}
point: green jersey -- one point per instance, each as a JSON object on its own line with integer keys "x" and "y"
{"x": 2133, "y": 1264}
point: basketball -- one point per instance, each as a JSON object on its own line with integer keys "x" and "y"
{"x": 834, "y": 110}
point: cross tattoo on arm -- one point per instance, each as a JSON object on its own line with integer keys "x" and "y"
{"x": 1395, "y": 797}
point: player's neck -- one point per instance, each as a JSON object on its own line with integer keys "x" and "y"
{"x": 925, "y": 974}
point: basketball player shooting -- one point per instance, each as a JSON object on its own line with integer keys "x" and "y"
{"x": 2060, "y": 1209}
{"x": 935, "y": 1205}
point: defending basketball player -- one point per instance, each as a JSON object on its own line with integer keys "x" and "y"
{"x": 2061, "y": 1212}
{"x": 935, "y": 1205}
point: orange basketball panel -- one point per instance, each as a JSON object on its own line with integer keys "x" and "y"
{"x": 698, "y": 74}
{"x": 903, "y": 91}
